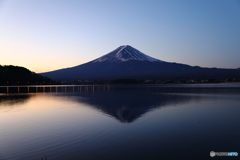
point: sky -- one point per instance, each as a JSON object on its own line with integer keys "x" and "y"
{"x": 46, "y": 35}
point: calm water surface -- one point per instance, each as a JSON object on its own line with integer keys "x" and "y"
{"x": 120, "y": 122}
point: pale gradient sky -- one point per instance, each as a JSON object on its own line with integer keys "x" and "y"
{"x": 45, "y": 35}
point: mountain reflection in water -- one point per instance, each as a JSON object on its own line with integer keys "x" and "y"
{"x": 119, "y": 122}
{"x": 13, "y": 99}
{"x": 128, "y": 105}
{"x": 125, "y": 103}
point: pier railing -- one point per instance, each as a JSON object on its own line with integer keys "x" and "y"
{"x": 53, "y": 88}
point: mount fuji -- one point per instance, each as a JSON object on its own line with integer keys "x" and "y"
{"x": 128, "y": 62}
{"x": 125, "y": 53}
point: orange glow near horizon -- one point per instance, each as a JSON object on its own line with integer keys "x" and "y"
{"x": 42, "y": 105}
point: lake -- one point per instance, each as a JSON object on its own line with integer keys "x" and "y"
{"x": 175, "y": 121}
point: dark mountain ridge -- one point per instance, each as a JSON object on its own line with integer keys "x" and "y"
{"x": 15, "y": 75}
{"x": 128, "y": 62}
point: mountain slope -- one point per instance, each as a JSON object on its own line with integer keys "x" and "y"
{"x": 128, "y": 62}
{"x": 15, "y": 75}
{"x": 125, "y": 53}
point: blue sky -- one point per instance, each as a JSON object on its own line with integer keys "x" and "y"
{"x": 45, "y": 35}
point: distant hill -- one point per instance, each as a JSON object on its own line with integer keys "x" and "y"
{"x": 15, "y": 75}
{"x": 126, "y": 62}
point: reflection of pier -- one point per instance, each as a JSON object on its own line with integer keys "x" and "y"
{"x": 54, "y": 88}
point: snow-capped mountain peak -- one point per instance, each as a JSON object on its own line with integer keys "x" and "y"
{"x": 125, "y": 53}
